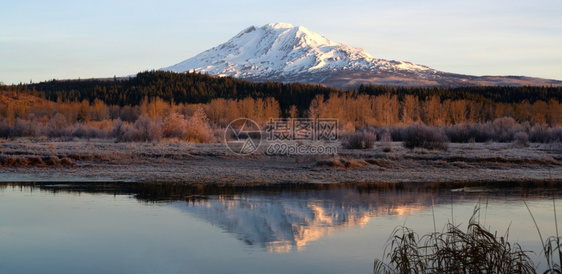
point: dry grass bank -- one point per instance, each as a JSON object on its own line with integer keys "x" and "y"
{"x": 214, "y": 163}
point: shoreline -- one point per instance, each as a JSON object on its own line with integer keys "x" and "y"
{"x": 185, "y": 163}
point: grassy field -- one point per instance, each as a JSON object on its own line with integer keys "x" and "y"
{"x": 213, "y": 163}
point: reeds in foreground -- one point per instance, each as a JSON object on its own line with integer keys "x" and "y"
{"x": 454, "y": 251}
{"x": 551, "y": 247}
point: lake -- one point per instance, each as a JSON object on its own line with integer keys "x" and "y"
{"x": 142, "y": 228}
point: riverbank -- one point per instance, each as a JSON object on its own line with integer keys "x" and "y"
{"x": 178, "y": 162}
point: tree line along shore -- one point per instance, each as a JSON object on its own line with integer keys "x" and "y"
{"x": 194, "y": 107}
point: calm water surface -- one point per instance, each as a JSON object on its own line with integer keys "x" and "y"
{"x": 104, "y": 228}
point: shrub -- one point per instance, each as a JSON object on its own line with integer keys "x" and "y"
{"x": 57, "y": 127}
{"x": 175, "y": 126}
{"x": 555, "y": 135}
{"x": 458, "y": 133}
{"x": 470, "y": 132}
{"x": 504, "y": 124}
{"x": 504, "y": 129}
{"x": 22, "y": 128}
{"x": 39, "y": 128}
{"x": 198, "y": 129}
{"x": 143, "y": 130}
{"x": 544, "y": 134}
{"x": 386, "y": 141}
{"x": 125, "y": 132}
{"x": 422, "y": 136}
{"x": 360, "y": 140}
{"x": 118, "y": 130}
{"x": 151, "y": 131}
{"x": 4, "y": 129}
{"x": 395, "y": 133}
{"x": 521, "y": 139}
{"x": 58, "y": 122}
{"x": 128, "y": 114}
{"x": 80, "y": 131}
{"x": 467, "y": 132}
{"x": 480, "y": 133}
{"x": 89, "y": 131}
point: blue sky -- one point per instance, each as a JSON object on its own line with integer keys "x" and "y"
{"x": 43, "y": 40}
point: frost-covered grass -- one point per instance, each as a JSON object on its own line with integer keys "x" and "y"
{"x": 179, "y": 161}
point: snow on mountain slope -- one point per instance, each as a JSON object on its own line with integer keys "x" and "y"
{"x": 282, "y": 52}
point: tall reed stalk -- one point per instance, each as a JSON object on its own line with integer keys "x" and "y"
{"x": 454, "y": 251}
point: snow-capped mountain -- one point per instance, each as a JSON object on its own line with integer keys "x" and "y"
{"x": 282, "y": 52}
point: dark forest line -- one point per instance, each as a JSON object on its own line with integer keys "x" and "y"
{"x": 195, "y": 88}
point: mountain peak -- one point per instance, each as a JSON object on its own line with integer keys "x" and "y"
{"x": 280, "y": 52}
{"x": 278, "y": 25}
{"x": 284, "y": 53}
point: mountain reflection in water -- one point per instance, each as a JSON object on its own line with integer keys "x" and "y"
{"x": 285, "y": 218}
{"x": 289, "y": 220}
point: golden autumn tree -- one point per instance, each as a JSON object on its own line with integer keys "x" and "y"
{"x": 316, "y": 107}
{"x": 410, "y": 109}
{"x": 99, "y": 110}
{"x": 431, "y": 109}
{"x": 293, "y": 112}
{"x": 554, "y": 116}
{"x": 539, "y": 112}
{"x": 272, "y": 108}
